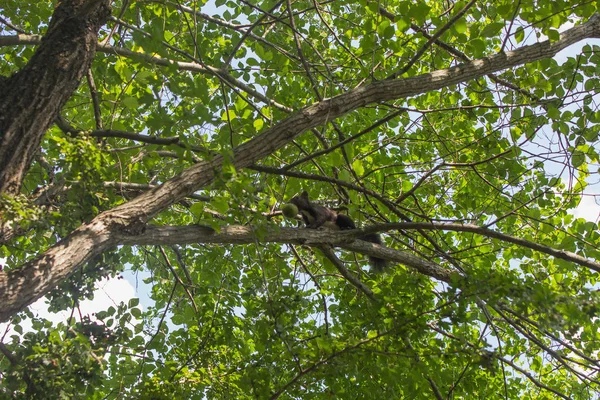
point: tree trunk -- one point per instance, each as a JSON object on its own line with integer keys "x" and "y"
{"x": 31, "y": 98}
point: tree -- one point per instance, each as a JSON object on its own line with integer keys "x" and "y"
{"x": 450, "y": 127}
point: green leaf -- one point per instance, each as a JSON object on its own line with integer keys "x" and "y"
{"x": 220, "y": 204}
{"x": 460, "y": 26}
{"x": 228, "y": 115}
{"x": 258, "y": 124}
{"x": 520, "y": 35}
{"x": 577, "y": 159}
{"x": 553, "y": 35}
{"x": 357, "y": 165}
{"x": 197, "y": 209}
{"x": 130, "y": 102}
{"x": 492, "y": 29}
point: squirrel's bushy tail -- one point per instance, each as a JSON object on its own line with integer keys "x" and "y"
{"x": 377, "y": 264}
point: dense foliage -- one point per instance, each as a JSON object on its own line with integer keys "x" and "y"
{"x": 175, "y": 83}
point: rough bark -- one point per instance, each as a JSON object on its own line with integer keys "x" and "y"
{"x": 20, "y": 288}
{"x": 31, "y": 98}
{"x": 237, "y": 234}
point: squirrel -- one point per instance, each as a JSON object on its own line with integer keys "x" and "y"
{"x": 315, "y": 216}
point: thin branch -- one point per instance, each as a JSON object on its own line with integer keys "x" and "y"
{"x": 562, "y": 360}
{"x": 234, "y": 234}
{"x": 461, "y": 56}
{"x": 313, "y": 83}
{"x": 15, "y": 363}
{"x": 432, "y": 39}
{"x": 165, "y": 141}
{"x": 345, "y": 141}
{"x": 317, "y": 285}
{"x": 417, "y": 358}
{"x": 562, "y": 254}
{"x": 248, "y": 33}
{"x": 162, "y": 319}
{"x": 350, "y": 277}
{"x": 164, "y": 62}
{"x": 181, "y": 262}
{"x": 12, "y": 26}
{"x": 358, "y": 344}
{"x": 529, "y": 376}
{"x": 95, "y": 101}
{"x": 177, "y": 279}
{"x": 508, "y": 362}
{"x": 229, "y": 25}
{"x": 8, "y": 354}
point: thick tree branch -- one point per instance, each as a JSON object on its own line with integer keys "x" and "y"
{"x": 562, "y": 254}
{"x": 239, "y": 234}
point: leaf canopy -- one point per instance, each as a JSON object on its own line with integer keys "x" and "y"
{"x": 176, "y": 84}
